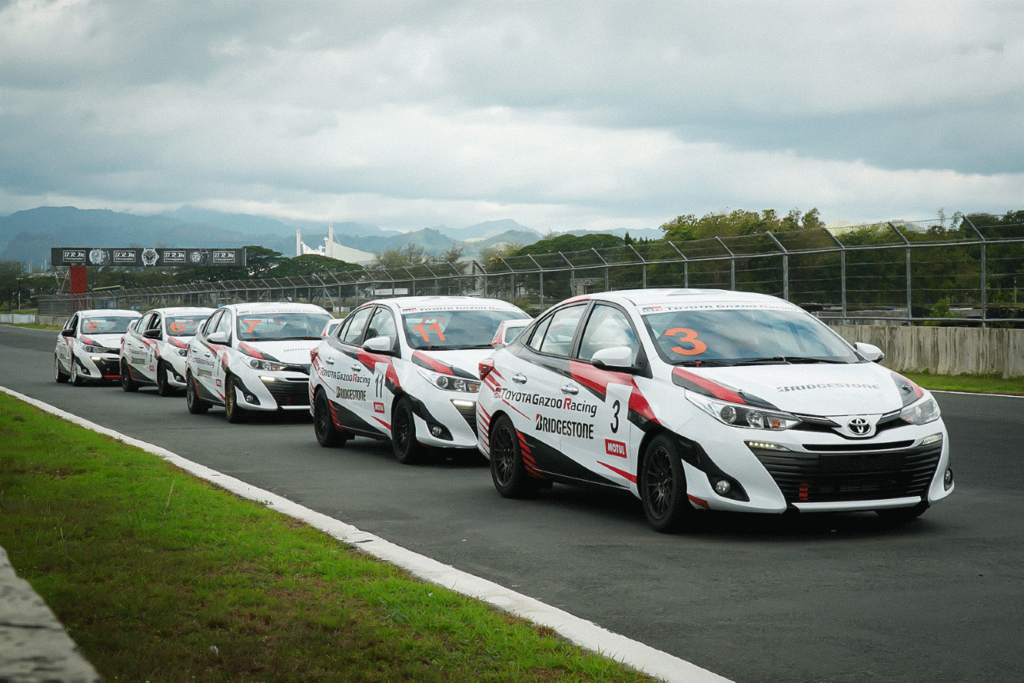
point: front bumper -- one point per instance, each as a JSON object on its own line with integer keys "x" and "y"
{"x": 98, "y": 366}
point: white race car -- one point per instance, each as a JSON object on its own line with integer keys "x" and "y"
{"x": 405, "y": 369}
{"x": 154, "y": 350}
{"x": 89, "y": 346}
{"x": 704, "y": 399}
{"x": 249, "y": 357}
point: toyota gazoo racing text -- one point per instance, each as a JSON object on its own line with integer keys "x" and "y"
{"x": 405, "y": 369}
{"x": 249, "y": 357}
{"x": 703, "y": 399}
{"x": 155, "y": 349}
{"x": 89, "y": 346}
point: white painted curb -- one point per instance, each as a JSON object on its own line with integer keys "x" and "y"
{"x": 583, "y": 633}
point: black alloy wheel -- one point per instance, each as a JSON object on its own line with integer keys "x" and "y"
{"x": 163, "y": 387}
{"x": 127, "y": 382}
{"x": 196, "y": 405}
{"x": 327, "y": 434}
{"x": 58, "y": 374}
{"x": 508, "y": 471}
{"x": 403, "y": 433}
{"x": 663, "y": 487}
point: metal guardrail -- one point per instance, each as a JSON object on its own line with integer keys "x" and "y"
{"x": 891, "y": 272}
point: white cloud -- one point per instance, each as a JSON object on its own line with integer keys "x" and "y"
{"x": 559, "y": 115}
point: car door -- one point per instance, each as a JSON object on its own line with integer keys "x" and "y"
{"x": 135, "y": 349}
{"x": 377, "y": 408}
{"x": 64, "y": 344}
{"x": 343, "y": 376}
{"x": 533, "y": 391}
{"x": 204, "y": 357}
{"x": 602, "y": 437}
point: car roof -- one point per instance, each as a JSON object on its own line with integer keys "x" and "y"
{"x": 284, "y": 306}
{"x": 110, "y": 311}
{"x": 654, "y": 297}
{"x": 441, "y": 301}
{"x": 182, "y": 310}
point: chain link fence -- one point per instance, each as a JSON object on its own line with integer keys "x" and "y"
{"x": 958, "y": 271}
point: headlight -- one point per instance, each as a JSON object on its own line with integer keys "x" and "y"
{"x": 736, "y": 415}
{"x": 921, "y": 412}
{"x": 89, "y": 348}
{"x": 450, "y": 382}
{"x": 181, "y": 352}
{"x": 265, "y": 365}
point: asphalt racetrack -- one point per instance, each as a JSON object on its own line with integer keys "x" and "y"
{"x": 753, "y": 598}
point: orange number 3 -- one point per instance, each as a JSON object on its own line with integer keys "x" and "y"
{"x": 686, "y": 336}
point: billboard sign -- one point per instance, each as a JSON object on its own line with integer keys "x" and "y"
{"x": 138, "y": 256}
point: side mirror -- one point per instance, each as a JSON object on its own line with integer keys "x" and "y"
{"x": 67, "y": 333}
{"x": 378, "y": 345}
{"x": 217, "y": 338}
{"x": 618, "y": 358}
{"x": 869, "y": 351}
{"x": 152, "y": 334}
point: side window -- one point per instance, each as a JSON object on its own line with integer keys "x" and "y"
{"x": 224, "y": 324}
{"x": 145, "y": 323}
{"x": 154, "y": 323}
{"x": 354, "y": 324}
{"x": 72, "y": 323}
{"x": 382, "y": 324}
{"x": 607, "y": 327}
{"x": 211, "y": 323}
{"x": 538, "y": 334}
{"x": 558, "y": 337}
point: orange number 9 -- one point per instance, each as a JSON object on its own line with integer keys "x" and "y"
{"x": 686, "y": 336}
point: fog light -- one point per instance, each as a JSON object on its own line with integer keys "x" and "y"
{"x": 722, "y": 487}
{"x": 249, "y": 398}
{"x": 436, "y": 431}
{"x": 947, "y": 479}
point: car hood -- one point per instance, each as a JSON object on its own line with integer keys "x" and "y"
{"x": 110, "y": 341}
{"x": 815, "y": 389}
{"x": 290, "y": 351}
{"x": 467, "y": 360}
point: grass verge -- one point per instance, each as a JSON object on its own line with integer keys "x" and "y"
{"x": 159, "y": 576}
{"x": 984, "y": 384}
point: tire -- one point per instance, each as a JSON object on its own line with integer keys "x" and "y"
{"x": 902, "y": 515}
{"x": 162, "y": 386}
{"x": 76, "y": 379}
{"x": 327, "y": 434}
{"x": 508, "y": 471}
{"x": 127, "y": 383}
{"x": 196, "y": 405}
{"x": 234, "y": 412}
{"x": 58, "y": 374}
{"x": 403, "y": 433}
{"x": 663, "y": 487}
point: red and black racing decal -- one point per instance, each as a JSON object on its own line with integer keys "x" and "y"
{"x": 702, "y": 385}
{"x": 597, "y": 381}
{"x": 424, "y": 361}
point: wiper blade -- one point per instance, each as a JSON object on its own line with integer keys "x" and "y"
{"x": 810, "y": 359}
{"x": 711, "y": 363}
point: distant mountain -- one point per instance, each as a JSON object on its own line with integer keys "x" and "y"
{"x": 484, "y": 230}
{"x": 29, "y": 235}
{"x": 645, "y": 233}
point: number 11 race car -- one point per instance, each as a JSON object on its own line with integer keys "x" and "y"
{"x": 703, "y": 399}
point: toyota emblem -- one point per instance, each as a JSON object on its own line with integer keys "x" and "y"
{"x": 859, "y": 426}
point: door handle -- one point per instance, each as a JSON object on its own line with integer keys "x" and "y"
{"x": 570, "y": 389}
{"x": 357, "y": 368}
{"x": 329, "y": 361}
{"x": 519, "y": 378}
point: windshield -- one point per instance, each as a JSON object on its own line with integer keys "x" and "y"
{"x": 184, "y": 325}
{"x": 461, "y": 329}
{"x": 114, "y": 324}
{"x": 692, "y": 336}
{"x": 279, "y": 326}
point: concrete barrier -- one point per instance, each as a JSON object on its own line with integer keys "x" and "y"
{"x": 34, "y": 647}
{"x": 944, "y": 350}
{"x": 18, "y": 318}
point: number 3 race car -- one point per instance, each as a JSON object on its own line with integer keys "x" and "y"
{"x": 702, "y": 399}
{"x": 249, "y": 357}
{"x": 154, "y": 350}
{"x": 89, "y": 345}
{"x": 405, "y": 369}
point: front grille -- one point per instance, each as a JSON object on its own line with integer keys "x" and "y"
{"x": 852, "y": 475}
{"x": 289, "y": 392}
{"x": 469, "y": 413}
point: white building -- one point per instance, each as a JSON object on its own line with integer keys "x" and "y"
{"x": 332, "y": 249}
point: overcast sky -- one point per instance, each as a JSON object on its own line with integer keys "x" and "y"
{"x": 560, "y": 115}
